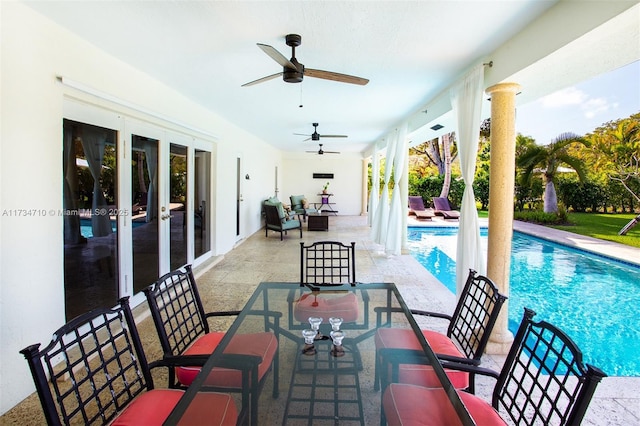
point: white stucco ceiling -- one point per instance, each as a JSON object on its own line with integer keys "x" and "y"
{"x": 409, "y": 50}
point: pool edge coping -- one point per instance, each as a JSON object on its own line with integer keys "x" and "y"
{"x": 610, "y": 249}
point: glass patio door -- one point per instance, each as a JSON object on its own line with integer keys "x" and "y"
{"x": 178, "y": 220}
{"x": 145, "y": 206}
{"x": 137, "y": 204}
{"x": 159, "y": 205}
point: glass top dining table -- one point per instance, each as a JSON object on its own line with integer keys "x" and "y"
{"x": 322, "y": 380}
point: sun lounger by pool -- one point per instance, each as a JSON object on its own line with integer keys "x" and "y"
{"x": 443, "y": 208}
{"x": 416, "y": 207}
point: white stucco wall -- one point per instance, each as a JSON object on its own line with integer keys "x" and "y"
{"x": 346, "y": 184}
{"x": 34, "y": 52}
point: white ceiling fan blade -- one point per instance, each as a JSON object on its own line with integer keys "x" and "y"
{"x": 263, "y": 79}
{"x": 277, "y": 56}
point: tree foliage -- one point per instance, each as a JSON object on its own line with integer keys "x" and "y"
{"x": 546, "y": 159}
{"x": 435, "y": 152}
{"x": 616, "y": 153}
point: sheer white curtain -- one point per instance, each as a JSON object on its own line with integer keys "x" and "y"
{"x": 93, "y": 142}
{"x": 396, "y": 213}
{"x": 151, "y": 155}
{"x": 375, "y": 186}
{"x": 381, "y": 217}
{"x": 466, "y": 100}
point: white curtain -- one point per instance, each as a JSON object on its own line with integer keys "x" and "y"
{"x": 396, "y": 213}
{"x": 151, "y": 155}
{"x": 466, "y": 100}
{"x": 93, "y": 142}
{"x": 381, "y": 217}
{"x": 375, "y": 186}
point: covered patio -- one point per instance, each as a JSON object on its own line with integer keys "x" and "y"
{"x": 57, "y": 65}
{"x": 227, "y": 282}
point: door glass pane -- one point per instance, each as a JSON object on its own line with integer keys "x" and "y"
{"x": 177, "y": 205}
{"x": 89, "y": 218}
{"x": 202, "y": 203}
{"x": 144, "y": 210}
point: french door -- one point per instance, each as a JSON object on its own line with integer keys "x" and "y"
{"x": 159, "y": 203}
{"x": 137, "y": 198}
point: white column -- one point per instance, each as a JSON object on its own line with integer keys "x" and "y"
{"x": 363, "y": 200}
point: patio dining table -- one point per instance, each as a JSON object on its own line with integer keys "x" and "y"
{"x": 325, "y": 383}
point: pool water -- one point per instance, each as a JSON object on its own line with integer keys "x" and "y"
{"x": 86, "y": 229}
{"x": 594, "y": 299}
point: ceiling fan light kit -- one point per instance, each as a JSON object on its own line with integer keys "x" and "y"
{"x": 294, "y": 72}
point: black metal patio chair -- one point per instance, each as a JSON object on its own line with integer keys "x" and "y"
{"x": 324, "y": 265}
{"x": 275, "y": 220}
{"x": 94, "y": 372}
{"x": 465, "y": 340}
{"x": 183, "y": 330}
{"x": 543, "y": 382}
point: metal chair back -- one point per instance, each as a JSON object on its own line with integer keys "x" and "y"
{"x": 177, "y": 310}
{"x": 327, "y": 263}
{"x": 543, "y": 379}
{"x": 475, "y": 315}
{"x": 92, "y": 369}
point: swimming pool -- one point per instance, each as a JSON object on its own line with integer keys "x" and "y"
{"x": 595, "y": 300}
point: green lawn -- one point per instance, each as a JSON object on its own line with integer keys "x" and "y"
{"x": 603, "y": 226}
{"x": 598, "y": 225}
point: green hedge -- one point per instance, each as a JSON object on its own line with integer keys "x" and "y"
{"x": 431, "y": 186}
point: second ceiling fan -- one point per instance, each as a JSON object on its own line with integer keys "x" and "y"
{"x": 315, "y": 136}
{"x": 322, "y": 152}
{"x": 293, "y": 71}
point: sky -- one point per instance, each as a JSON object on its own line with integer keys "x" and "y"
{"x": 582, "y": 107}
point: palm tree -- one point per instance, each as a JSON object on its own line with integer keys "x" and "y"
{"x": 547, "y": 159}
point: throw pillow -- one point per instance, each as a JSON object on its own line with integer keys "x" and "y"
{"x": 305, "y": 203}
{"x": 296, "y": 201}
{"x": 281, "y": 214}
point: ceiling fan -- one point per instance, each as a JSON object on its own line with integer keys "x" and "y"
{"x": 321, "y": 151}
{"x": 315, "y": 136}
{"x": 293, "y": 71}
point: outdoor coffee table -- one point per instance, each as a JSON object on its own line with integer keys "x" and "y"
{"x": 318, "y": 221}
{"x": 321, "y": 385}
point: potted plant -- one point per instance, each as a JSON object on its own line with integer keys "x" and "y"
{"x": 324, "y": 188}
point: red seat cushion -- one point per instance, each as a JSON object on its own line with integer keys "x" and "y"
{"x": 422, "y": 375}
{"x": 153, "y": 408}
{"x": 263, "y": 345}
{"x": 410, "y": 405}
{"x": 325, "y": 306}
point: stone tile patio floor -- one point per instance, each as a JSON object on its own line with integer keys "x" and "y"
{"x": 227, "y": 282}
{"x": 617, "y": 400}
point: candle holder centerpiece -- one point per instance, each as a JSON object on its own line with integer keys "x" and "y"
{"x": 337, "y": 336}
